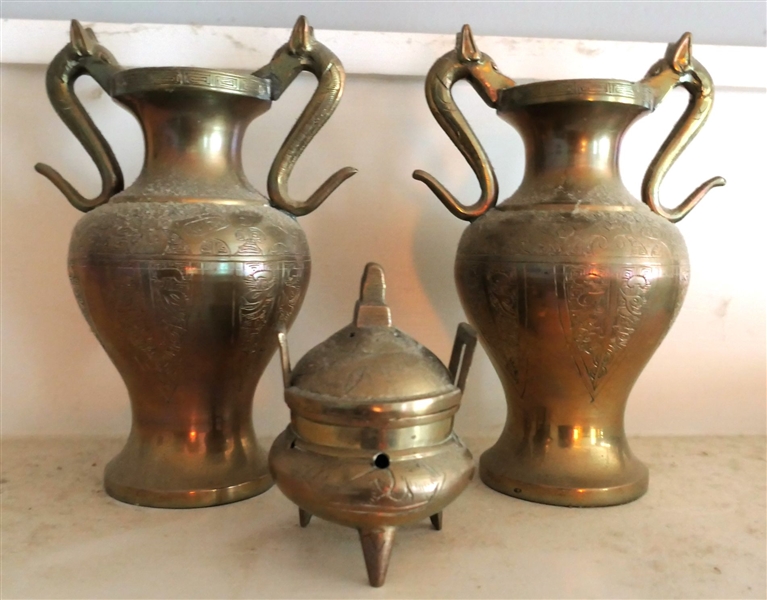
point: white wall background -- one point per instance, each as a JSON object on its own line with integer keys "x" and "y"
{"x": 707, "y": 378}
{"x": 729, "y": 22}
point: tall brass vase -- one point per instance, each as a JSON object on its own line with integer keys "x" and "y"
{"x": 571, "y": 282}
{"x": 186, "y": 276}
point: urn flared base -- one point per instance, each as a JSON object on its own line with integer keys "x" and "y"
{"x": 575, "y": 477}
{"x": 165, "y": 472}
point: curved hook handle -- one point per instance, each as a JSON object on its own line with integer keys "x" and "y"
{"x": 677, "y": 68}
{"x": 304, "y": 53}
{"x": 465, "y": 62}
{"x": 82, "y": 55}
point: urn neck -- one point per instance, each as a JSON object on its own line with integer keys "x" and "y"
{"x": 574, "y": 141}
{"x": 193, "y": 144}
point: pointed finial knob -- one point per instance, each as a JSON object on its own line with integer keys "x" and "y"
{"x": 371, "y": 309}
{"x": 465, "y": 46}
{"x": 302, "y": 37}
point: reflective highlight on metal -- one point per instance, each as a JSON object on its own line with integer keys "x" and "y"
{"x": 185, "y": 276}
{"x": 571, "y": 282}
{"x": 370, "y": 444}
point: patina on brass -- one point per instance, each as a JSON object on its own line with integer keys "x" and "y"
{"x": 571, "y": 282}
{"x": 186, "y": 275}
{"x": 370, "y": 443}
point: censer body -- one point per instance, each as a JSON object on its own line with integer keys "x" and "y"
{"x": 371, "y": 444}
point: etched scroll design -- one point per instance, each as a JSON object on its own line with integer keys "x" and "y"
{"x": 387, "y": 490}
{"x": 554, "y": 235}
{"x": 396, "y": 491}
{"x": 604, "y": 312}
{"x": 270, "y": 290}
{"x": 170, "y": 300}
{"x": 214, "y": 247}
{"x": 508, "y": 300}
{"x": 249, "y": 238}
{"x": 154, "y": 324}
{"x": 632, "y": 298}
{"x": 260, "y": 286}
{"x": 587, "y": 294}
{"x": 176, "y": 245}
{"x": 293, "y": 275}
{"x": 166, "y": 230}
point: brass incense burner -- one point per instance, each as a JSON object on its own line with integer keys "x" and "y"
{"x": 370, "y": 443}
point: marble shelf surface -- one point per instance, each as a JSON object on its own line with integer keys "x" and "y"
{"x": 698, "y": 533}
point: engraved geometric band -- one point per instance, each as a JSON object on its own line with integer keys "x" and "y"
{"x": 152, "y": 78}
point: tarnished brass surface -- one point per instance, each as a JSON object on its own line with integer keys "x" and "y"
{"x": 371, "y": 444}
{"x": 186, "y": 275}
{"x": 571, "y": 282}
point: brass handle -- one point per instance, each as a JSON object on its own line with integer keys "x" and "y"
{"x": 465, "y": 62}
{"x": 304, "y": 53}
{"x": 463, "y": 351}
{"x": 282, "y": 340}
{"x": 677, "y": 68}
{"x": 82, "y": 55}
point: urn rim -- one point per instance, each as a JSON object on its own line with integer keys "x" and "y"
{"x": 619, "y": 91}
{"x": 147, "y": 79}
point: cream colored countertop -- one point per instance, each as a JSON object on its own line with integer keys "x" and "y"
{"x": 699, "y": 532}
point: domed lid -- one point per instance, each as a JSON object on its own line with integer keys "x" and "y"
{"x": 371, "y": 359}
{"x": 372, "y": 367}
{"x": 371, "y": 362}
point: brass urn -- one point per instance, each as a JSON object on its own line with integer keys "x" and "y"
{"x": 571, "y": 282}
{"x": 185, "y": 276}
{"x": 370, "y": 443}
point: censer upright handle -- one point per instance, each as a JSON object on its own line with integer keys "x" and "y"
{"x": 83, "y": 55}
{"x": 282, "y": 340}
{"x": 677, "y": 68}
{"x": 465, "y": 62}
{"x": 463, "y": 351}
{"x": 304, "y": 53}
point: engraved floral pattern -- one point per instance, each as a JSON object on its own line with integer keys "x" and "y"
{"x": 293, "y": 275}
{"x": 558, "y": 235}
{"x": 171, "y": 302}
{"x": 214, "y": 247}
{"x": 152, "y": 327}
{"x": 154, "y": 269}
{"x": 249, "y": 238}
{"x": 177, "y": 230}
{"x": 587, "y": 294}
{"x": 507, "y": 297}
{"x": 604, "y": 312}
{"x": 597, "y": 308}
{"x": 256, "y": 302}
